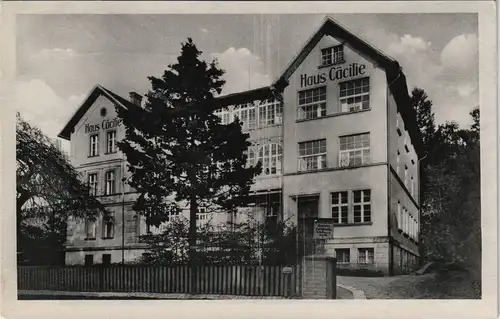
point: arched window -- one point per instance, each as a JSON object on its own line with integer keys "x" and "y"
{"x": 270, "y": 157}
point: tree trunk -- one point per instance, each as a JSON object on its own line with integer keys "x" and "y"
{"x": 193, "y": 209}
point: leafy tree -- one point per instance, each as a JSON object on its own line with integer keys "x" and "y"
{"x": 425, "y": 117}
{"x": 179, "y": 153}
{"x": 48, "y": 189}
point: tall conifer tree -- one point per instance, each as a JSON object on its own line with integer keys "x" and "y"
{"x": 179, "y": 153}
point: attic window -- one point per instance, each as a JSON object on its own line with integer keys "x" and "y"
{"x": 332, "y": 55}
{"x": 103, "y": 112}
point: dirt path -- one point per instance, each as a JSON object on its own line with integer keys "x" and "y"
{"x": 451, "y": 285}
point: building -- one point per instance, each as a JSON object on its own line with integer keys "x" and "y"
{"x": 337, "y": 137}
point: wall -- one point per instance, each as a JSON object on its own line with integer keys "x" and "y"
{"x": 80, "y": 138}
{"x": 399, "y": 193}
{"x": 334, "y": 124}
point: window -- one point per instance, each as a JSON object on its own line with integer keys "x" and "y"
{"x": 108, "y": 226}
{"x": 270, "y": 113}
{"x": 110, "y": 183}
{"x": 94, "y": 145}
{"x": 90, "y": 228}
{"x": 312, "y": 155}
{"x": 241, "y": 112}
{"x": 400, "y": 216}
{"x": 106, "y": 259}
{"x": 397, "y": 163}
{"x": 273, "y": 209}
{"x": 270, "y": 157}
{"x": 202, "y": 214}
{"x": 251, "y": 156}
{"x": 340, "y": 207}
{"x": 312, "y": 103}
{"x": 362, "y": 206}
{"x": 343, "y": 255}
{"x": 406, "y": 176}
{"x": 365, "y": 255}
{"x": 89, "y": 260}
{"x": 355, "y": 95}
{"x": 137, "y": 225}
{"x": 412, "y": 186}
{"x": 93, "y": 184}
{"x": 332, "y": 55}
{"x": 354, "y": 150}
{"x": 111, "y": 142}
{"x": 252, "y": 118}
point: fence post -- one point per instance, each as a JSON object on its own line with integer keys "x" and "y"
{"x": 101, "y": 277}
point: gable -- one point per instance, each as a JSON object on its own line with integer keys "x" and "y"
{"x": 96, "y": 92}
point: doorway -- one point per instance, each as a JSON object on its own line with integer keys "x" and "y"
{"x": 307, "y": 213}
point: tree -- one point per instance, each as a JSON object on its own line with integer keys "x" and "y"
{"x": 48, "y": 188}
{"x": 425, "y": 116}
{"x": 178, "y": 152}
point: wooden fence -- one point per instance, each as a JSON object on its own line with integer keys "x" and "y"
{"x": 226, "y": 280}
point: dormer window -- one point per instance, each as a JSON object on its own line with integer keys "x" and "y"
{"x": 332, "y": 55}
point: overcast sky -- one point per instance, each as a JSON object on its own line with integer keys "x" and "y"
{"x": 61, "y": 57}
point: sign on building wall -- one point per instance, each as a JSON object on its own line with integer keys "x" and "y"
{"x": 336, "y": 73}
{"x": 104, "y": 125}
{"x": 323, "y": 229}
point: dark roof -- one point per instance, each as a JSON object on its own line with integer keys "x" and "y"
{"x": 87, "y": 103}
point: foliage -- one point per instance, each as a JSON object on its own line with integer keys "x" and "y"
{"x": 179, "y": 153}
{"x": 48, "y": 190}
{"x": 450, "y": 183}
{"x": 232, "y": 243}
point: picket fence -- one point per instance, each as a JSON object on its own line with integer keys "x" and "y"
{"x": 268, "y": 280}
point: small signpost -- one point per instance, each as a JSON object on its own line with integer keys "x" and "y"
{"x": 323, "y": 228}
{"x": 287, "y": 270}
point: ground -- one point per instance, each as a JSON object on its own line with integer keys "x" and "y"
{"x": 449, "y": 285}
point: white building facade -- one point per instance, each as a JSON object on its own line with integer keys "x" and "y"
{"x": 336, "y": 135}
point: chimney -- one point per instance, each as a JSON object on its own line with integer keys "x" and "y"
{"x": 135, "y": 98}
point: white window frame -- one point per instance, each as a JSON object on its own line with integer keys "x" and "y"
{"x": 110, "y": 184}
{"x": 318, "y": 158}
{"x": 90, "y": 228}
{"x": 94, "y": 145}
{"x": 108, "y": 221}
{"x": 111, "y": 142}
{"x": 338, "y": 252}
{"x": 332, "y": 55}
{"x": 360, "y": 91}
{"x": 348, "y": 156}
{"x": 364, "y": 255}
{"x": 316, "y": 108}
{"x": 270, "y": 162}
{"x": 337, "y": 204}
{"x": 93, "y": 183}
{"x": 365, "y": 212}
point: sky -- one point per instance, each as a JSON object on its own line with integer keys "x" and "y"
{"x": 57, "y": 67}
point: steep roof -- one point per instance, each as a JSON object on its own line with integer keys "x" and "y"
{"x": 394, "y": 74}
{"x": 94, "y": 93}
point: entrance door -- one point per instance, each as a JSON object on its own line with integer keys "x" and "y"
{"x": 307, "y": 210}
